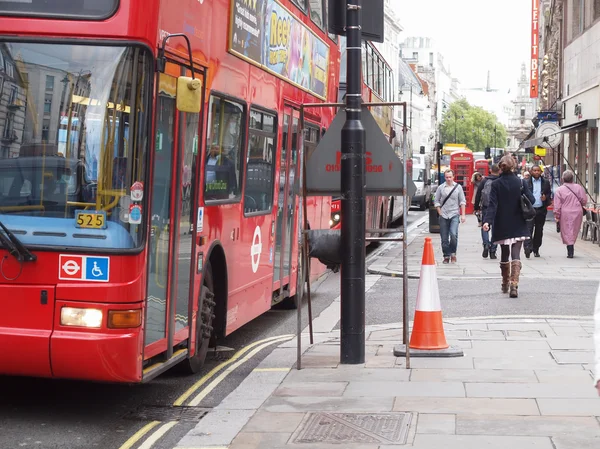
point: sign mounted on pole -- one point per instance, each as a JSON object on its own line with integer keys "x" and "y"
{"x": 535, "y": 48}
{"x": 384, "y": 172}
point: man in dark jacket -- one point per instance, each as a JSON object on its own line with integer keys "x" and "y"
{"x": 481, "y": 204}
{"x": 541, "y": 189}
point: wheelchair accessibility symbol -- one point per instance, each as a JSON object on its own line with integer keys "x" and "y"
{"x": 83, "y": 268}
{"x": 97, "y": 269}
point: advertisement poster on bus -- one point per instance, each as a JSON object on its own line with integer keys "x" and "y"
{"x": 267, "y": 34}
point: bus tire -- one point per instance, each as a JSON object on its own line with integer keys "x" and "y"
{"x": 206, "y": 316}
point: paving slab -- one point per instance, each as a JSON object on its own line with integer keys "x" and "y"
{"x": 564, "y": 376}
{"x": 515, "y": 346}
{"x": 266, "y": 422}
{"x": 347, "y": 373}
{"x": 277, "y": 404}
{"x": 217, "y": 428}
{"x": 436, "y": 424}
{"x": 256, "y": 440}
{"x": 321, "y": 389}
{"x": 527, "y": 425}
{"x": 248, "y": 396}
{"x": 405, "y": 389}
{"x": 480, "y": 442}
{"x": 574, "y": 357}
{"x": 576, "y": 442}
{"x": 543, "y": 362}
{"x": 529, "y": 390}
{"x": 471, "y": 375}
{"x": 571, "y": 343}
{"x": 475, "y": 406}
{"x": 570, "y": 407}
{"x": 465, "y": 362}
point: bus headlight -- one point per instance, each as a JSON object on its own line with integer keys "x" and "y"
{"x": 72, "y": 316}
{"x": 335, "y": 219}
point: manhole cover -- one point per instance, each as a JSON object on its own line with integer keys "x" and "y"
{"x": 343, "y": 428}
{"x": 162, "y": 413}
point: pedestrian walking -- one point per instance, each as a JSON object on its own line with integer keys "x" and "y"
{"x": 569, "y": 202}
{"x": 597, "y": 341}
{"x": 541, "y": 190}
{"x": 482, "y": 201}
{"x": 476, "y": 180}
{"x": 450, "y": 203}
{"x": 505, "y": 216}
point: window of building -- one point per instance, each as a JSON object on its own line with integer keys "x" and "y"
{"x": 575, "y": 27}
{"x": 415, "y": 55}
{"x": 46, "y": 130}
{"x": 49, "y": 82}
{"x": 316, "y": 12}
{"x": 596, "y": 7}
{"x": 522, "y": 112}
{"x": 431, "y": 59}
{"x": 48, "y": 103}
{"x": 8, "y": 125}
{"x": 10, "y": 70}
{"x": 260, "y": 163}
{"x": 224, "y": 150}
{"x": 12, "y": 97}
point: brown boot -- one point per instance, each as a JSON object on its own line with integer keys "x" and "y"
{"x": 515, "y": 271}
{"x": 505, "y": 268}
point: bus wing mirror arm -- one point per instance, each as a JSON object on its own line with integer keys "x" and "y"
{"x": 162, "y": 61}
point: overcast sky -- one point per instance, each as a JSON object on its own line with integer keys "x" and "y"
{"x": 474, "y": 36}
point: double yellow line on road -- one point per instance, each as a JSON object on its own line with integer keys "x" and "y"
{"x": 235, "y": 361}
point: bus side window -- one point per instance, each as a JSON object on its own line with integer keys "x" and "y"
{"x": 222, "y": 180}
{"x": 260, "y": 169}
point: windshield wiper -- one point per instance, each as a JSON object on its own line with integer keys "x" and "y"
{"x": 14, "y": 246}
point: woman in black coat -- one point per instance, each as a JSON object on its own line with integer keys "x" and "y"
{"x": 509, "y": 228}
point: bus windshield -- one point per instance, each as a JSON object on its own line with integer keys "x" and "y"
{"x": 73, "y": 144}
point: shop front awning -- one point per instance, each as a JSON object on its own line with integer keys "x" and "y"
{"x": 538, "y": 141}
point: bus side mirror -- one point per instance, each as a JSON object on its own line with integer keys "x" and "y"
{"x": 189, "y": 94}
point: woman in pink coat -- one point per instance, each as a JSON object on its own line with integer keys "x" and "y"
{"x": 569, "y": 200}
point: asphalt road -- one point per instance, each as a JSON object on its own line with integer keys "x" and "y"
{"x": 48, "y": 414}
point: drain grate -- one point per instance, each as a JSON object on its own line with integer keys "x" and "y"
{"x": 167, "y": 413}
{"x": 344, "y": 428}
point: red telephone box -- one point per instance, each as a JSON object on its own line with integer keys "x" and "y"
{"x": 482, "y": 166}
{"x": 461, "y": 163}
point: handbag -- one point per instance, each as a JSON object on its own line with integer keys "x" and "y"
{"x": 527, "y": 209}
{"x": 583, "y": 208}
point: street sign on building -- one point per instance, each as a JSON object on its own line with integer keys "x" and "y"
{"x": 384, "y": 171}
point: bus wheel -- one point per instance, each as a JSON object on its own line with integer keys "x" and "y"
{"x": 206, "y": 306}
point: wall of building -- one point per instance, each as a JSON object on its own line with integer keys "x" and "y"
{"x": 581, "y": 98}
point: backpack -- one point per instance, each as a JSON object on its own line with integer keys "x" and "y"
{"x": 485, "y": 193}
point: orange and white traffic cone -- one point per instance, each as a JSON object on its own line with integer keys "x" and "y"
{"x": 428, "y": 338}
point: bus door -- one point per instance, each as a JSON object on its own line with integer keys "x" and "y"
{"x": 172, "y": 243}
{"x": 285, "y": 228}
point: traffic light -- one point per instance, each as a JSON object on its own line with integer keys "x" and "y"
{"x": 487, "y": 152}
{"x": 422, "y": 150}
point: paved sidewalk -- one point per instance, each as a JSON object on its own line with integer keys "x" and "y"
{"x": 522, "y": 384}
{"x": 553, "y": 262}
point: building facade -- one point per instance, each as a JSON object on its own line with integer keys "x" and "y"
{"x": 520, "y": 113}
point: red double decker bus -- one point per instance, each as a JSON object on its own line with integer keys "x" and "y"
{"x": 378, "y": 87}
{"x": 148, "y": 158}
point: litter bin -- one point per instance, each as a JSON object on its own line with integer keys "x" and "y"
{"x": 434, "y": 221}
